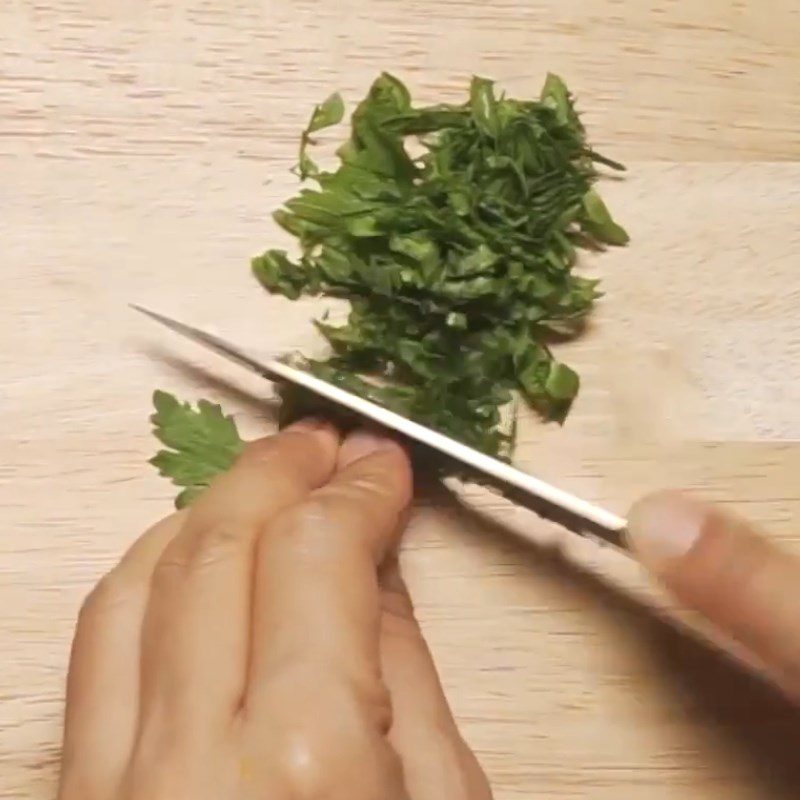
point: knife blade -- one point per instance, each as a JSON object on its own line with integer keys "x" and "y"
{"x": 546, "y": 500}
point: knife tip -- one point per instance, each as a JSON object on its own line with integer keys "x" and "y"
{"x": 147, "y": 312}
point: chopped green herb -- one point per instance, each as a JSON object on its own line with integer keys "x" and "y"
{"x": 458, "y": 262}
{"x": 326, "y": 114}
{"x": 453, "y": 231}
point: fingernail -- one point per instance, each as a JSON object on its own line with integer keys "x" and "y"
{"x": 362, "y": 443}
{"x": 664, "y": 527}
{"x": 308, "y": 425}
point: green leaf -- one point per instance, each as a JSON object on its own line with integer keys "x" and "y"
{"x": 326, "y": 114}
{"x": 382, "y": 153}
{"x": 277, "y": 273}
{"x": 555, "y": 95}
{"x": 201, "y": 443}
{"x": 388, "y": 97}
{"x": 457, "y": 320}
{"x": 484, "y": 106}
{"x": 532, "y": 365}
{"x": 600, "y": 223}
{"x": 421, "y": 250}
{"x": 306, "y": 166}
{"x": 478, "y": 261}
{"x": 562, "y": 382}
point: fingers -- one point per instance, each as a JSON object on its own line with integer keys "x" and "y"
{"x": 436, "y": 761}
{"x": 196, "y": 628}
{"x": 103, "y": 686}
{"x": 314, "y": 688}
{"x": 721, "y": 567}
{"x": 316, "y": 592}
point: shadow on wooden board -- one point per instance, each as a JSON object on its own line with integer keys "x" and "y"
{"x": 261, "y": 407}
{"x": 760, "y": 725}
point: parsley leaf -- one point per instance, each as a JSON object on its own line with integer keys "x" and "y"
{"x": 453, "y": 230}
{"x": 202, "y": 443}
{"x": 458, "y": 262}
{"x": 324, "y": 115}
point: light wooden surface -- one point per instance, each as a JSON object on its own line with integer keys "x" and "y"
{"x": 142, "y": 146}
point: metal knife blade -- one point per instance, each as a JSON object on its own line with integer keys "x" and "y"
{"x": 548, "y": 501}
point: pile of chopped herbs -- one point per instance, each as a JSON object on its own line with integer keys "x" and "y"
{"x": 453, "y": 232}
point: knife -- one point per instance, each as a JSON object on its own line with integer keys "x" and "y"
{"x": 546, "y": 500}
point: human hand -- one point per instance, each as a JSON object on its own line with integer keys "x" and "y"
{"x": 262, "y": 645}
{"x": 720, "y": 566}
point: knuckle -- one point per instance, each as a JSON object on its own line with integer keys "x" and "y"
{"x": 399, "y": 611}
{"x": 398, "y": 624}
{"x": 214, "y": 543}
{"x": 166, "y": 570}
{"x": 372, "y": 702}
{"x": 350, "y": 690}
{"x": 313, "y": 769}
{"x": 311, "y": 527}
{"x": 200, "y": 550}
{"x": 110, "y": 592}
{"x": 312, "y": 515}
{"x": 263, "y": 472}
{"x": 305, "y": 764}
{"x": 334, "y": 740}
{"x": 324, "y": 527}
{"x": 365, "y": 483}
{"x": 366, "y": 490}
{"x": 368, "y": 499}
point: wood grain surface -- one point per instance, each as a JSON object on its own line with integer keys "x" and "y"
{"x": 142, "y": 147}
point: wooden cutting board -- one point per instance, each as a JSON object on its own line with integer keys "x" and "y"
{"x": 142, "y": 147}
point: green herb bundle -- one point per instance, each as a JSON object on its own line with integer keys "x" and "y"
{"x": 458, "y": 262}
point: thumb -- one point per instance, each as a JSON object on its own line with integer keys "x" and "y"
{"x": 720, "y": 566}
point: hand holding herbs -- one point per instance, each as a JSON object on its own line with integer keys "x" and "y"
{"x": 453, "y": 232}
{"x": 263, "y": 645}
